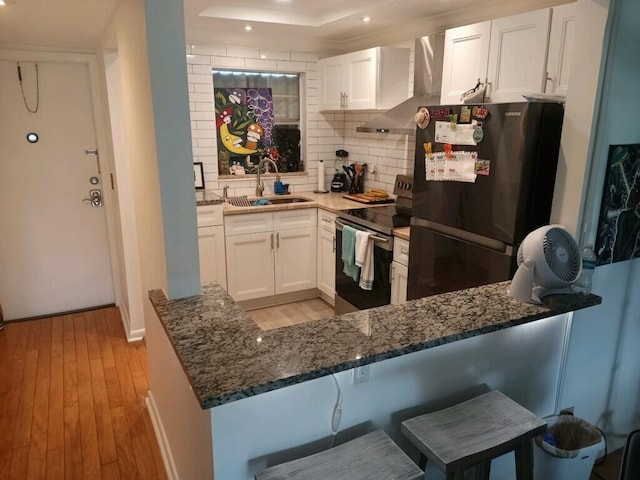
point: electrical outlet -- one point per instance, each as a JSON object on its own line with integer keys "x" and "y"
{"x": 360, "y": 375}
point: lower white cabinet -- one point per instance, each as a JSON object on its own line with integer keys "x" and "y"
{"x": 270, "y": 253}
{"x": 399, "y": 271}
{"x": 327, "y": 255}
{"x": 213, "y": 266}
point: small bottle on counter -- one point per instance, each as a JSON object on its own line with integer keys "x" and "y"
{"x": 583, "y": 284}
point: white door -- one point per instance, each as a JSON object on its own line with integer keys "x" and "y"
{"x": 561, "y": 41}
{"x": 332, "y": 82}
{"x": 250, "y": 265}
{"x": 517, "y": 55}
{"x": 399, "y": 281}
{"x": 295, "y": 267}
{"x": 327, "y": 262}
{"x": 54, "y": 253}
{"x": 213, "y": 267}
{"x": 466, "y": 53}
{"x": 362, "y": 83}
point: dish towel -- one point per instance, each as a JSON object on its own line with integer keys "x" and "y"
{"x": 348, "y": 253}
{"x": 364, "y": 259}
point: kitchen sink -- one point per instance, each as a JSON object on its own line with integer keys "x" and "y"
{"x": 245, "y": 202}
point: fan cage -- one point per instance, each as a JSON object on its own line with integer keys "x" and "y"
{"x": 557, "y": 238}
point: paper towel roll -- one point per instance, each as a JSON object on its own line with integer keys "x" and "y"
{"x": 321, "y": 176}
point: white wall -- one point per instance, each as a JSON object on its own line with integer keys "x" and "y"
{"x": 603, "y": 379}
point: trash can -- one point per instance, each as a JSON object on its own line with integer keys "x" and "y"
{"x": 568, "y": 450}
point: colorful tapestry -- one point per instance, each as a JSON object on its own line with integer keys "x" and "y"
{"x": 244, "y": 123}
{"x": 619, "y": 222}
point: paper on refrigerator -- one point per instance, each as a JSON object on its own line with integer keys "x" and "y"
{"x": 455, "y": 134}
{"x": 451, "y": 167}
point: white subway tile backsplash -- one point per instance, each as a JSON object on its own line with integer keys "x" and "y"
{"x": 260, "y": 64}
{"x": 196, "y": 78}
{"x": 227, "y": 62}
{"x": 202, "y": 69}
{"x": 284, "y": 66}
{"x": 209, "y": 50}
{"x": 204, "y": 107}
{"x": 242, "y": 52}
{"x": 275, "y": 55}
{"x": 199, "y": 60}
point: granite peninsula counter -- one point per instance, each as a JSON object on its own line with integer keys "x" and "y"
{"x": 227, "y": 357}
{"x": 228, "y": 399}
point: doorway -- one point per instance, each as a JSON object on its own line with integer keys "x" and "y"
{"x": 54, "y": 248}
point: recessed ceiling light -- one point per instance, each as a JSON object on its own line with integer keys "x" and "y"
{"x": 366, "y": 19}
{"x": 248, "y": 28}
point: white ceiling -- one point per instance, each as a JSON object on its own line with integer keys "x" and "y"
{"x": 301, "y": 25}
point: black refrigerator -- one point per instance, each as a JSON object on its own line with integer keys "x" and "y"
{"x": 466, "y": 234}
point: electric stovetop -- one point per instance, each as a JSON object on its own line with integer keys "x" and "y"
{"x": 382, "y": 219}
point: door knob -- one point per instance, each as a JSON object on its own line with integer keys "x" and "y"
{"x": 95, "y": 198}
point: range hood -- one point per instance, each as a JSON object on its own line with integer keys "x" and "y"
{"x": 427, "y": 81}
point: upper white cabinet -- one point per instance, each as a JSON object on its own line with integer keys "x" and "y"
{"x": 466, "y": 56}
{"x": 515, "y": 55}
{"x": 561, "y": 42}
{"x": 376, "y": 78}
{"x": 211, "y": 245}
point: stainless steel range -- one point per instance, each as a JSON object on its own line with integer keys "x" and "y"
{"x": 380, "y": 222}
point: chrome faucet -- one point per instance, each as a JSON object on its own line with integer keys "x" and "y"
{"x": 260, "y": 186}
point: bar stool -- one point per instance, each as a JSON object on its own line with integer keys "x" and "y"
{"x": 373, "y": 455}
{"x": 472, "y": 433}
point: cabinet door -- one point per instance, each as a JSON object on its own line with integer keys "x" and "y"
{"x": 561, "y": 42}
{"x": 332, "y": 82}
{"x": 466, "y": 53}
{"x": 327, "y": 262}
{"x": 213, "y": 266}
{"x": 399, "y": 275}
{"x": 295, "y": 260}
{"x": 362, "y": 81}
{"x": 250, "y": 265}
{"x": 517, "y": 55}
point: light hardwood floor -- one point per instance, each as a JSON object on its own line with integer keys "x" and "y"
{"x": 72, "y": 401}
{"x": 290, "y": 314}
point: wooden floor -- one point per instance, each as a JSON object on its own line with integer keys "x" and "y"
{"x": 608, "y": 468}
{"x": 290, "y": 314}
{"x": 72, "y": 401}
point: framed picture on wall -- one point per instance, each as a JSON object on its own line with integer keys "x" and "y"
{"x": 198, "y": 175}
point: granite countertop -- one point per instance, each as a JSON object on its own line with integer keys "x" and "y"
{"x": 331, "y": 202}
{"x": 208, "y": 197}
{"x": 227, "y": 357}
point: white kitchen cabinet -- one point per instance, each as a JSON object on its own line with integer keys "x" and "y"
{"x": 399, "y": 271}
{"x": 509, "y": 53}
{"x": 465, "y": 61}
{"x": 327, "y": 255}
{"x": 270, "y": 253}
{"x": 561, "y": 43}
{"x": 211, "y": 245}
{"x": 376, "y": 78}
{"x": 518, "y": 55}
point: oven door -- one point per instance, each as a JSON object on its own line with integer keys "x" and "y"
{"x": 349, "y": 296}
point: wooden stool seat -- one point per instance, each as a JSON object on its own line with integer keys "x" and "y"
{"x": 370, "y": 456}
{"x": 472, "y": 433}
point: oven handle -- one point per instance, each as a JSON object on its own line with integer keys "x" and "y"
{"x": 374, "y": 237}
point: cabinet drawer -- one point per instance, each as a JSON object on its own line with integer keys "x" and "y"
{"x": 248, "y": 223}
{"x": 209, "y": 215}
{"x": 401, "y": 251}
{"x": 300, "y": 218}
{"x": 326, "y": 221}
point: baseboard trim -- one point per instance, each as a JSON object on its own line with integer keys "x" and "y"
{"x": 281, "y": 299}
{"x": 132, "y": 335}
{"x": 330, "y": 300}
{"x": 163, "y": 443}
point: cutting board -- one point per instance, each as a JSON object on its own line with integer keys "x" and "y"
{"x": 359, "y": 197}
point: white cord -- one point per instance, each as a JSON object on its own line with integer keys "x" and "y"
{"x": 337, "y": 412}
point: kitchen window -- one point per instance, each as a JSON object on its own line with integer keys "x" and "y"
{"x": 257, "y": 115}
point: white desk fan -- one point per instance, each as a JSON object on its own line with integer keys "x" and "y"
{"x": 549, "y": 261}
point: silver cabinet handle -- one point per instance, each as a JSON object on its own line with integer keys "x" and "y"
{"x": 278, "y": 240}
{"x": 272, "y": 241}
{"x": 334, "y": 244}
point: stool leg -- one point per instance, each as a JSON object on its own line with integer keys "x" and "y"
{"x": 457, "y": 475}
{"x": 482, "y": 471}
{"x": 524, "y": 461}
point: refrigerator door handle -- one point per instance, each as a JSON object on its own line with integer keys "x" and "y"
{"x": 490, "y": 243}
